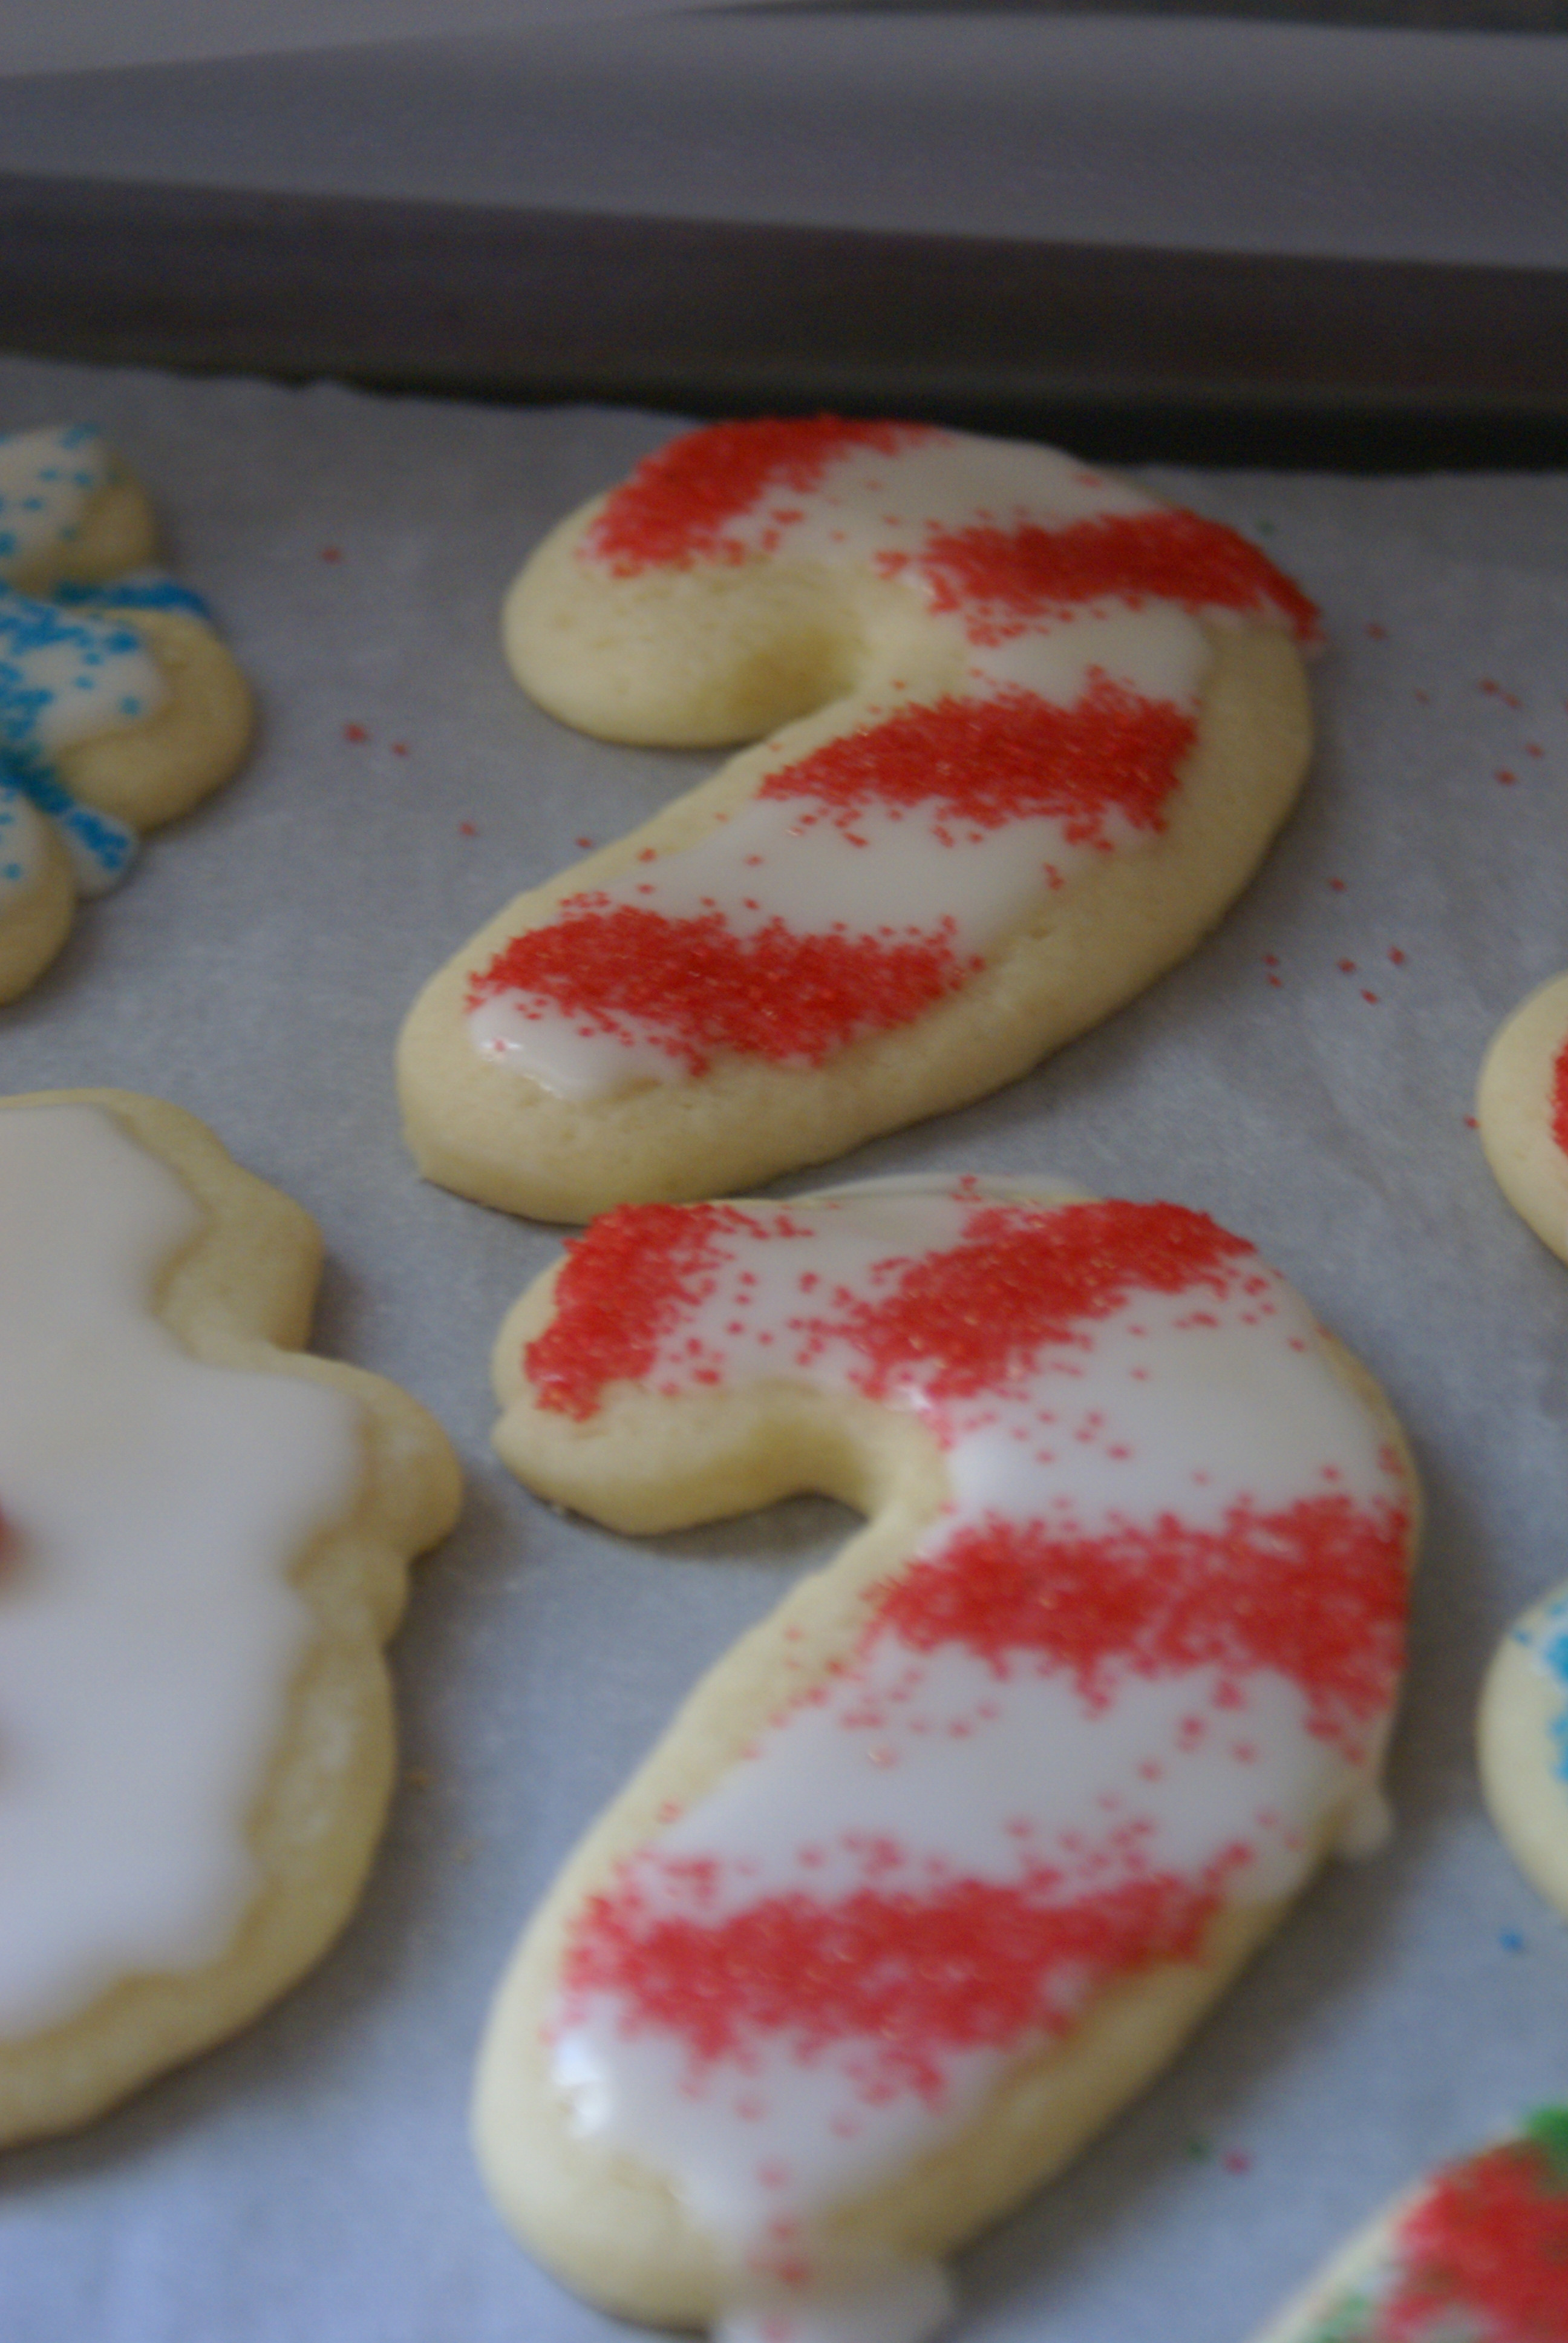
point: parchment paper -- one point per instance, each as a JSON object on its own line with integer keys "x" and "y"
{"x": 1306, "y": 1077}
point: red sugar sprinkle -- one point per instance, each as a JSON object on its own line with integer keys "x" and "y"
{"x": 1506, "y": 777}
{"x": 1488, "y": 2238}
{"x": 1371, "y": 997}
{"x": 993, "y": 760}
{"x": 1022, "y": 1278}
{"x": 1236, "y": 2159}
{"x": 469, "y": 829}
{"x": 1396, "y": 956}
{"x": 1026, "y": 571}
{"x": 1560, "y": 1098}
{"x": 908, "y": 1975}
{"x": 399, "y": 748}
{"x": 774, "y": 994}
{"x": 354, "y": 732}
{"x": 1346, "y": 967}
{"x": 673, "y": 509}
{"x": 1316, "y": 1591}
{"x": 1378, "y": 633}
{"x": 1339, "y": 885}
{"x": 583, "y": 844}
{"x": 1471, "y": 1124}
{"x": 622, "y": 1287}
{"x": 332, "y": 553}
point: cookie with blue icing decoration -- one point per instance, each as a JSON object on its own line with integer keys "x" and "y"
{"x": 119, "y": 707}
{"x": 69, "y": 509}
{"x": 1523, "y": 1744}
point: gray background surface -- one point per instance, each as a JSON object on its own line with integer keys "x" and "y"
{"x": 1377, "y": 140}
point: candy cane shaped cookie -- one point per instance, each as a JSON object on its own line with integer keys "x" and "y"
{"x": 1038, "y": 730}
{"x": 943, "y": 1860}
{"x": 119, "y": 708}
{"x": 1521, "y": 1105}
{"x": 205, "y": 1545}
{"x": 1478, "y": 2253}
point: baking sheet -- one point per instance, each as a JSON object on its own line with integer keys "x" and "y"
{"x": 1306, "y": 1077}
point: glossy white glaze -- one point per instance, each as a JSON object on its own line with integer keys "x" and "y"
{"x": 154, "y": 1508}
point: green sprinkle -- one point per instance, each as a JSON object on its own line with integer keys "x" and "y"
{"x": 1547, "y": 2130}
{"x": 1351, "y": 2323}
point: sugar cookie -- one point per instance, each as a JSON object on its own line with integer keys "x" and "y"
{"x": 1477, "y": 2254}
{"x": 119, "y": 708}
{"x": 1522, "y": 1737}
{"x": 943, "y": 1860}
{"x": 1521, "y": 1106}
{"x": 205, "y": 1543}
{"x": 1046, "y": 728}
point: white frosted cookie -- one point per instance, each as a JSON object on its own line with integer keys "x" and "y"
{"x": 945, "y": 1858}
{"x": 1038, "y": 729}
{"x": 204, "y": 1543}
{"x": 119, "y": 708}
{"x": 1521, "y": 1105}
{"x": 1477, "y": 2253}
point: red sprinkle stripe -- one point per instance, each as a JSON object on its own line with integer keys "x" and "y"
{"x": 672, "y": 510}
{"x": 791, "y": 998}
{"x": 971, "y": 1965}
{"x": 1008, "y": 758}
{"x": 1488, "y": 2238}
{"x": 1317, "y": 1592}
{"x": 1024, "y": 573}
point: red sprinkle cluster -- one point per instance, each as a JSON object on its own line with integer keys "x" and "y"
{"x": 793, "y": 999}
{"x": 974, "y": 1964}
{"x": 1009, "y": 576}
{"x": 1560, "y": 1098}
{"x": 673, "y": 509}
{"x": 984, "y": 762}
{"x": 621, "y": 1290}
{"x": 1317, "y": 1592}
{"x": 1489, "y": 2239}
{"x": 1022, "y": 1276}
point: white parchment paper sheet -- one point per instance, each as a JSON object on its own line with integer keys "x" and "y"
{"x": 1306, "y": 1077}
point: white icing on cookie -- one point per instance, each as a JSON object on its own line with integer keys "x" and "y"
{"x": 153, "y": 1507}
{"x": 1135, "y": 1673}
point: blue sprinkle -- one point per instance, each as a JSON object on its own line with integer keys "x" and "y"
{"x": 144, "y": 589}
{"x": 1511, "y": 1940}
